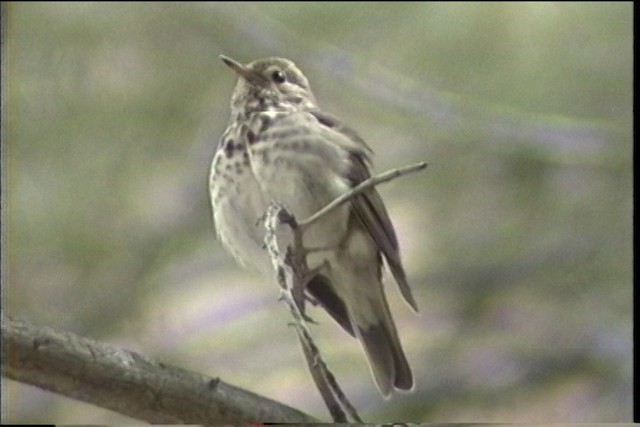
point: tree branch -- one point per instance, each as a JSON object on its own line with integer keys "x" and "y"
{"x": 127, "y": 382}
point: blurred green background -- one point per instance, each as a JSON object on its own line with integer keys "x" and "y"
{"x": 517, "y": 238}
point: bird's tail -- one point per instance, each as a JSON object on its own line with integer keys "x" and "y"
{"x": 382, "y": 346}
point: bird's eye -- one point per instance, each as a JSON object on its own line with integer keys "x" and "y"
{"x": 278, "y": 77}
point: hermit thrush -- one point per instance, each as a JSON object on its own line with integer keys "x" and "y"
{"x": 280, "y": 147}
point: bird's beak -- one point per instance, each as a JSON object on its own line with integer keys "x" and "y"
{"x": 239, "y": 69}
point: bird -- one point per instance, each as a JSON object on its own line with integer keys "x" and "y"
{"x": 279, "y": 146}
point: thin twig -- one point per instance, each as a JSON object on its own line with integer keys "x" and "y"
{"x": 291, "y": 272}
{"x": 371, "y": 182}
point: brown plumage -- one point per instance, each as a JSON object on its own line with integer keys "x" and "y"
{"x": 280, "y": 147}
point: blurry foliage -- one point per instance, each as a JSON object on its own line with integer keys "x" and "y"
{"x": 517, "y": 238}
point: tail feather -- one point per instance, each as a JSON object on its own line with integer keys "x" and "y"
{"x": 389, "y": 366}
{"x": 386, "y": 357}
{"x": 351, "y": 291}
{"x": 380, "y": 341}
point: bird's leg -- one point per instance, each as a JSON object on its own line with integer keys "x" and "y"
{"x": 296, "y": 257}
{"x": 301, "y": 277}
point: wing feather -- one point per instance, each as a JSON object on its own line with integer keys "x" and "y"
{"x": 368, "y": 206}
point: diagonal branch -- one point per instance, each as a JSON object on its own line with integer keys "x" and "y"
{"x": 127, "y": 382}
{"x": 371, "y": 182}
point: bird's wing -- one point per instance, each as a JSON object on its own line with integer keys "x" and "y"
{"x": 368, "y": 206}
